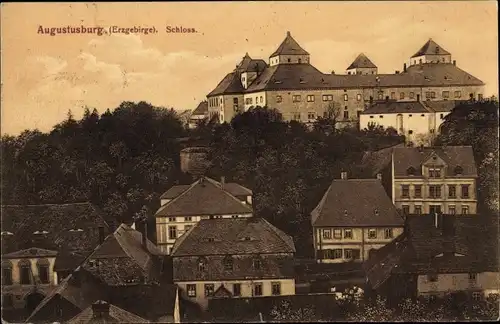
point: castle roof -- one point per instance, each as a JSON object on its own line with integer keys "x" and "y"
{"x": 361, "y": 62}
{"x": 289, "y": 46}
{"x": 431, "y": 48}
{"x": 202, "y": 108}
{"x": 248, "y": 64}
{"x": 230, "y": 84}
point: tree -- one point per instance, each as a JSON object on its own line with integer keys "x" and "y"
{"x": 286, "y": 313}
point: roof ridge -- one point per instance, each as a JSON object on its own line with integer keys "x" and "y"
{"x": 191, "y": 186}
{"x": 227, "y": 193}
{"x": 274, "y": 229}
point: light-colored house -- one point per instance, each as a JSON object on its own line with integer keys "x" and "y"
{"x": 354, "y": 218}
{"x": 434, "y": 179}
{"x": 290, "y": 83}
{"x": 234, "y": 258}
{"x": 183, "y": 206}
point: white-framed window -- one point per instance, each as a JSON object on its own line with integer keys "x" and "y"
{"x": 458, "y": 94}
{"x": 188, "y": 218}
{"x": 276, "y": 288}
{"x": 209, "y": 290}
{"x": 337, "y": 233}
{"x": 348, "y": 233}
{"x": 191, "y": 290}
{"x": 279, "y": 99}
{"x": 296, "y": 98}
{"x": 477, "y": 295}
{"x": 446, "y": 94}
{"x": 348, "y": 254}
{"x": 465, "y": 210}
{"x": 372, "y": 233}
{"x": 310, "y": 98}
{"x": 388, "y": 233}
{"x": 327, "y": 97}
{"x": 311, "y": 115}
{"x": 358, "y": 97}
{"x": 327, "y": 234}
{"x": 172, "y": 232}
{"x": 171, "y": 219}
{"x": 346, "y": 97}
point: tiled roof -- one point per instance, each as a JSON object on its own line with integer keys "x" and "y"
{"x": 30, "y": 253}
{"x": 376, "y": 161}
{"x": 248, "y": 64}
{"x": 114, "y": 315}
{"x": 204, "y": 197}
{"x": 230, "y": 84}
{"x": 231, "y": 187}
{"x": 431, "y": 48}
{"x": 122, "y": 259}
{"x": 454, "y": 156}
{"x": 356, "y": 202}
{"x": 57, "y": 226}
{"x": 361, "y": 61}
{"x": 289, "y": 46}
{"x": 396, "y": 107}
{"x": 202, "y": 109}
{"x": 233, "y": 236}
{"x": 442, "y": 105}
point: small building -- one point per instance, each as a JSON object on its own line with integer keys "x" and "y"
{"x": 233, "y": 258}
{"x": 183, "y": 206}
{"x": 354, "y": 217}
{"x": 198, "y": 115}
{"x": 362, "y": 65}
{"x": 431, "y": 52}
{"x": 439, "y": 255}
{"x": 434, "y": 179}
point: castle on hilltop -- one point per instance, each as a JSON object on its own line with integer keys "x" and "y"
{"x": 291, "y": 84}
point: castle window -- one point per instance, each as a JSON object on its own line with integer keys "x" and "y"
{"x": 418, "y": 209}
{"x": 465, "y": 210}
{"x": 465, "y": 191}
{"x": 372, "y": 233}
{"x": 327, "y": 234}
{"x": 346, "y": 97}
{"x": 276, "y": 288}
{"x": 348, "y": 233}
{"x": 388, "y": 234}
{"x": 172, "y": 232}
{"x": 209, "y": 290}
{"x": 418, "y": 191}
{"x": 446, "y": 94}
{"x": 405, "y": 191}
{"x": 296, "y": 98}
{"x": 458, "y": 94}
{"x": 327, "y": 97}
{"x": 279, "y": 99}
{"x": 311, "y": 116}
{"x": 434, "y": 173}
{"x": 191, "y": 290}
{"x": 310, "y": 98}
{"x": 358, "y": 97}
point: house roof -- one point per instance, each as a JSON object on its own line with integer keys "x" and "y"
{"x": 202, "y": 109}
{"x": 356, "y": 203}
{"x": 203, "y": 197}
{"x": 454, "y": 156}
{"x": 289, "y": 46}
{"x": 248, "y": 64}
{"x": 431, "y": 48}
{"x": 115, "y": 315}
{"x": 122, "y": 259}
{"x": 376, "y": 161}
{"x": 396, "y": 107}
{"x": 30, "y": 253}
{"x": 361, "y": 61}
{"x": 230, "y": 84}
{"x": 71, "y": 226}
{"x": 233, "y": 236}
{"x": 231, "y": 187}
{"x": 442, "y": 105}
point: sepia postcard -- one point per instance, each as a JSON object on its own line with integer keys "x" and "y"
{"x": 249, "y": 161}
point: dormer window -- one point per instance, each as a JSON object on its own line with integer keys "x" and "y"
{"x": 434, "y": 172}
{"x": 202, "y": 264}
{"x": 458, "y": 170}
{"x": 410, "y": 171}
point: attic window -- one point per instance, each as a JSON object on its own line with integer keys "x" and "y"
{"x": 302, "y": 81}
{"x": 277, "y": 81}
{"x": 458, "y": 170}
{"x": 42, "y": 232}
{"x": 246, "y": 238}
{"x": 210, "y": 239}
{"x": 76, "y": 230}
{"x": 410, "y": 171}
{"x": 345, "y": 212}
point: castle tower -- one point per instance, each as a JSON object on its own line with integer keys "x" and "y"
{"x": 431, "y": 52}
{"x": 289, "y": 52}
{"x": 362, "y": 65}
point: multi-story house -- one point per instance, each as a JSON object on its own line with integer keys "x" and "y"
{"x": 439, "y": 255}
{"x": 419, "y": 121}
{"x": 41, "y": 245}
{"x": 234, "y": 258}
{"x": 292, "y": 85}
{"x": 434, "y": 179}
{"x": 354, "y": 218}
{"x": 184, "y": 205}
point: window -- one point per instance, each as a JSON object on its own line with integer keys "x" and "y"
{"x": 405, "y": 191}
{"x": 188, "y": 218}
{"x": 311, "y": 115}
{"x": 327, "y": 97}
{"x": 209, "y": 290}
{"x": 401, "y": 95}
{"x": 228, "y": 263}
{"x": 434, "y": 191}
{"x": 458, "y": 170}
{"x": 418, "y": 191}
{"x": 446, "y": 94}
{"x": 279, "y": 99}
{"x": 458, "y": 94}
{"x": 428, "y": 95}
{"x": 296, "y": 98}
{"x": 476, "y": 295}
{"x": 310, "y": 98}
{"x": 473, "y": 277}
{"x": 435, "y": 209}
{"x": 327, "y": 234}
{"x": 380, "y": 96}
{"x": 275, "y": 288}
{"x": 388, "y": 234}
{"x": 465, "y": 191}
{"x": 336, "y": 254}
{"x": 191, "y": 290}
{"x": 235, "y": 101}
{"x": 348, "y": 254}
{"x": 452, "y": 210}
{"x": 346, "y": 97}
{"x": 236, "y": 290}
{"x": 296, "y": 116}
{"x": 257, "y": 289}
{"x": 257, "y": 264}
{"x": 6, "y": 273}
{"x": 418, "y": 209}
{"x": 171, "y": 219}
{"x": 406, "y": 209}
{"x": 289, "y": 60}
{"x": 43, "y": 271}
{"x": 300, "y": 61}
{"x": 479, "y": 96}
{"x": 412, "y": 95}
{"x": 433, "y": 94}
{"x": 432, "y": 277}
{"x": 346, "y": 115}
{"x": 261, "y": 99}
{"x": 393, "y": 95}
{"x": 202, "y": 265}
{"x": 172, "y": 232}
{"x": 25, "y": 273}
{"x": 410, "y": 171}
{"x": 372, "y": 233}
{"x": 358, "y": 97}
{"x": 452, "y": 191}
{"x": 348, "y": 233}
{"x": 434, "y": 173}
{"x": 465, "y": 210}
{"x": 441, "y": 116}
{"x": 337, "y": 233}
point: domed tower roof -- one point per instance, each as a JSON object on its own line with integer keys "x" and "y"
{"x": 362, "y": 61}
{"x": 289, "y": 46}
{"x": 431, "y": 48}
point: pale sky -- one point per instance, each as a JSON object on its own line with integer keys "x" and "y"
{"x": 44, "y": 76}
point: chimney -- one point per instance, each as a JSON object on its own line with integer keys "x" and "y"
{"x": 100, "y": 309}
{"x": 343, "y": 175}
{"x": 379, "y": 176}
{"x": 101, "y": 234}
{"x": 454, "y": 62}
{"x": 222, "y": 182}
{"x": 404, "y": 67}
